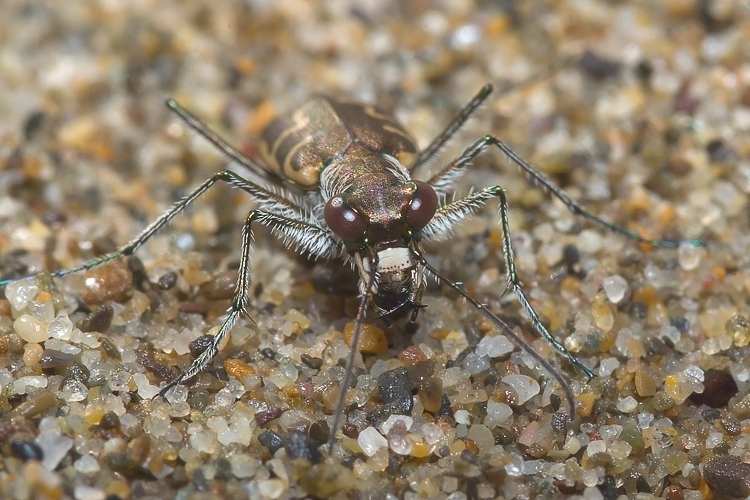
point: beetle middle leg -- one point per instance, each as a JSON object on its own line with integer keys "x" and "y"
{"x": 294, "y": 231}
{"x": 449, "y": 214}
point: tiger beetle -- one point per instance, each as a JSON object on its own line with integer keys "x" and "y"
{"x": 341, "y": 183}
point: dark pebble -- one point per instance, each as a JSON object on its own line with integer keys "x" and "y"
{"x": 682, "y": 324}
{"x": 221, "y": 288}
{"x": 314, "y": 363}
{"x": 644, "y": 69}
{"x": 167, "y": 280}
{"x": 199, "y": 399}
{"x": 263, "y": 417}
{"x": 570, "y": 255}
{"x": 268, "y": 353}
{"x": 720, "y": 387}
{"x": 728, "y": 475}
{"x": 350, "y": 430}
{"x": 301, "y": 446}
{"x": 640, "y": 310}
{"x": 445, "y": 407}
{"x": 270, "y": 440}
{"x": 560, "y": 422}
{"x": 109, "y": 421}
{"x": 609, "y": 488}
{"x": 711, "y": 415}
{"x": 502, "y": 436}
{"x": 421, "y": 371}
{"x": 223, "y": 469}
{"x": 731, "y": 425}
{"x": 52, "y": 358}
{"x": 158, "y": 368}
{"x": 194, "y": 308}
{"x": 469, "y": 456}
{"x": 597, "y": 66}
{"x": 79, "y": 372}
{"x": 319, "y": 431}
{"x": 641, "y": 484}
{"x": 97, "y": 321}
{"x": 110, "y": 349}
{"x": 199, "y": 345}
{"x": 673, "y": 492}
{"x": 394, "y": 388}
{"x": 121, "y": 462}
{"x": 200, "y": 481}
{"x": 26, "y": 450}
{"x": 33, "y": 123}
{"x": 718, "y": 151}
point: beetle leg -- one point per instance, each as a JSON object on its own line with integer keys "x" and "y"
{"x": 447, "y": 215}
{"x": 507, "y": 331}
{"x": 458, "y": 121}
{"x": 316, "y": 241}
{"x": 443, "y": 180}
{"x": 267, "y": 199}
{"x": 230, "y": 151}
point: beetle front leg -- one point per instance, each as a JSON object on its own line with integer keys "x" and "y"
{"x": 443, "y": 181}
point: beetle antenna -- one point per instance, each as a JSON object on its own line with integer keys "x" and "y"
{"x": 366, "y": 297}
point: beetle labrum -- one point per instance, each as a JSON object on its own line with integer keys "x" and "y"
{"x": 344, "y": 186}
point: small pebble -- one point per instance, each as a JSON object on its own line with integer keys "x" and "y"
{"x": 719, "y": 388}
{"x": 615, "y": 288}
{"x": 394, "y": 388}
{"x": 301, "y": 446}
{"x": 728, "y": 475}
{"x": 270, "y": 440}
{"x": 32, "y": 354}
{"x": 494, "y": 347}
{"x": 431, "y": 394}
{"x": 109, "y": 421}
{"x": 371, "y": 340}
{"x": 645, "y": 384}
{"x": 83, "y": 492}
{"x": 689, "y": 256}
{"x": 26, "y": 450}
{"x": 109, "y": 282}
{"x": 61, "y": 327}
{"x": 524, "y": 386}
{"x": 36, "y": 405}
{"x": 54, "y": 447}
{"x": 412, "y": 355}
{"x": 31, "y": 329}
{"x": 167, "y": 280}
{"x": 52, "y": 359}
{"x": 238, "y": 368}
{"x": 264, "y": 417}
{"x": 220, "y": 288}
{"x": 97, "y": 321}
{"x": 370, "y": 441}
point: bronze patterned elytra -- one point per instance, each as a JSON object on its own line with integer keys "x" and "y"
{"x": 343, "y": 183}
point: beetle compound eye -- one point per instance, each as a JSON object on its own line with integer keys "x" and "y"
{"x": 423, "y": 206}
{"x": 345, "y": 222}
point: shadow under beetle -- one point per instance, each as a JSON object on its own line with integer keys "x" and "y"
{"x": 341, "y": 184}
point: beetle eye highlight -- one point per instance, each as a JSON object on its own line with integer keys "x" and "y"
{"x": 422, "y": 207}
{"x": 345, "y": 222}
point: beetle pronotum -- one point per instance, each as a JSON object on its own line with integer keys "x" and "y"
{"x": 344, "y": 186}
